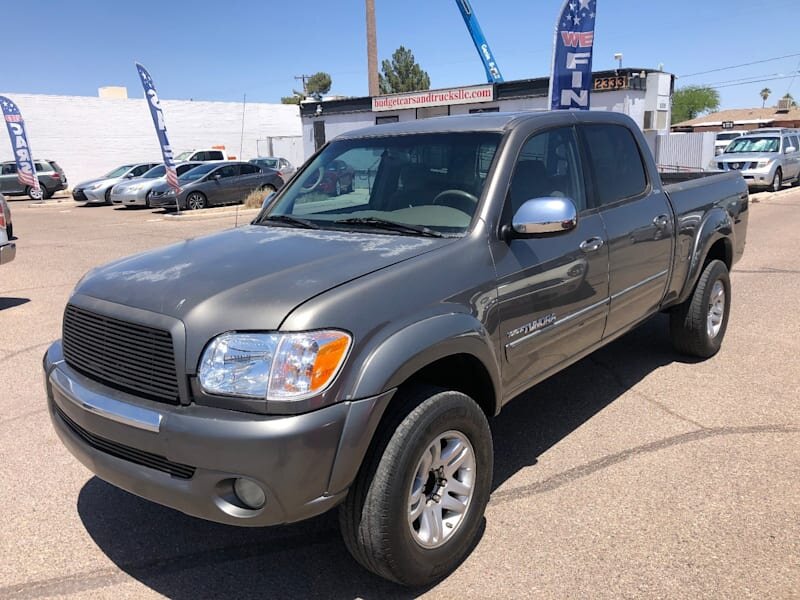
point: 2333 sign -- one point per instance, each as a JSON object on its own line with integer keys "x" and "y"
{"x": 611, "y": 83}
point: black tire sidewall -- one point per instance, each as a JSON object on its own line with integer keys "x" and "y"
{"x": 717, "y": 272}
{"x": 443, "y": 412}
{"x": 779, "y": 178}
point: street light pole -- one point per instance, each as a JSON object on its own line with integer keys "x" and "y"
{"x": 372, "y": 49}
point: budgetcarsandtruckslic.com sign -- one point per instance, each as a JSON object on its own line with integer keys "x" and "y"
{"x": 462, "y": 95}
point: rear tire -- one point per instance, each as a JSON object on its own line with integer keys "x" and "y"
{"x": 46, "y": 194}
{"x": 697, "y": 327}
{"x": 405, "y": 518}
{"x": 107, "y": 196}
{"x": 10, "y": 231}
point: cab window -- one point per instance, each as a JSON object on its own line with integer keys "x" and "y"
{"x": 615, "y": 162}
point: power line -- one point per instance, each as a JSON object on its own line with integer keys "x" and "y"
{"x": 755, "y": 62}
{"x": 753, "y": 81}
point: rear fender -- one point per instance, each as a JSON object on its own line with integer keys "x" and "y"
{"x": 717, "y": 225}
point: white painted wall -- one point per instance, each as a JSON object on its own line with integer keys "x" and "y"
{"x": 89, "y": 136}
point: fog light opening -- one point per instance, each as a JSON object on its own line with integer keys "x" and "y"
{"x": 249, "y": 493}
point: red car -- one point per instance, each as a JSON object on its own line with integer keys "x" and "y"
{"x": 337, "y": 178}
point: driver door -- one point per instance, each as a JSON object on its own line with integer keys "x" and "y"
{"x": 553, "y": 289}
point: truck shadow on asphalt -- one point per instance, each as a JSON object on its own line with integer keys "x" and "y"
{"x": 12, "y": 302}
{"x": 183, "y": 557}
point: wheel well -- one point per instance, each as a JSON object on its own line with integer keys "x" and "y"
{"x": 460, "y": 372}
{"x": 720, "y": 250}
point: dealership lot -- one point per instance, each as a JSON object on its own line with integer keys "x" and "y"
{"x": 632, "y": 473}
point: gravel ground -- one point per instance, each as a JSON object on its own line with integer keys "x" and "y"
{"x": 631, "y": 474}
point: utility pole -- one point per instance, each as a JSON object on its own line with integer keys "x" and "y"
{"x": 304, "y": 79}
{"x": 372, "y": 50}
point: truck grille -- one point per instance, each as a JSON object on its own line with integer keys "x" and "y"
{"x": 126, "y": 356}
{"x": 140, "y": 457}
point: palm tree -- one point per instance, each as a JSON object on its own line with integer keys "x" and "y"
{"x": 791, "y": 100}
{"x": 764, "y": 95}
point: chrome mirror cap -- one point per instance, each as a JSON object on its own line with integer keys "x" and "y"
{"x": 545, "y": 215}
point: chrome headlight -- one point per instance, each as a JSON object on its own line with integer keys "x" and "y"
{"x": 273, "y": 366}
{"x": 95, "y": 186}
{"x": 763, "y": 164}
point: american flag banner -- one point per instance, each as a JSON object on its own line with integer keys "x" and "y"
{"x": 571, "y": 76}
{"x": 26, "y": 172}
{"x": 161, "y": 130}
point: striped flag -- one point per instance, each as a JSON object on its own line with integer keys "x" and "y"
{"x": 571, "y": 76}
{"x": 26, "y": 171}
{"x": 161, "y": 130}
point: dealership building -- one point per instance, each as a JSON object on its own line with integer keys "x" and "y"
{"x": 645, "y": 95}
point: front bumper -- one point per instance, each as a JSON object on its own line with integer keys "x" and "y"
{"x": 187, "y": 457}
{"x": 164, "y": 202}
{"x": 8, "y": 252}
{"x": 98, "y": 195}
{"x": 128, "y": 198}
{"x": 78, "y": 195}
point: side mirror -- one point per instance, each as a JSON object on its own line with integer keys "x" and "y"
{"x": 129, "y": 176}
{"x": 789, "y": 150}
{"x": 544, "y": 216}
{"x": 216, "y": 177}
{"x": 267, "y": 200}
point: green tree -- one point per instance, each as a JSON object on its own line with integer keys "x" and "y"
{"x": 403, "y": 74}
{"x": 764, "y": 95}
{"x": 790, "y": 98}
{"x": 315, "y": 86}
{"x": 693, "y": 100}
{"x": 318, "y": 85}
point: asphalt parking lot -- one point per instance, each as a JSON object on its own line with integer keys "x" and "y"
{"x": 632, "y": 474}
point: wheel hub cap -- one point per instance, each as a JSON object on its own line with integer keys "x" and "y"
{"x": 716, "y": 309}
{"x": 442, "y": 489}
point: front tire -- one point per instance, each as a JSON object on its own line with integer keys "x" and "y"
{"x": 416, "y": 507}
{"x": 697, "y": 327}
{"x": 107, "y": 196}
{"x": 195, "y": 201}
{"x": 777, "y": 181}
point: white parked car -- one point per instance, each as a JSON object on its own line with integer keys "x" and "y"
{"x": 8, "y": 250}
{"x": 724, "y": 138}
{"x": 201, "y": 155}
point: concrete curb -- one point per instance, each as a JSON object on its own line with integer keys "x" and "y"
{"x": 245, "y": 214}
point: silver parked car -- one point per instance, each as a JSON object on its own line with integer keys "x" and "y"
{"x": 216, "y": 183}
{"x": 99, "y": 189}
{"x": 281, "y": 165}
{"x": 8, "y": 250}
{"x": 766, "y": 158}
{"x": 136, "y": 192}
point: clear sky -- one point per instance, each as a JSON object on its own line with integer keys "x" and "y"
{"x": 220, "y": 50}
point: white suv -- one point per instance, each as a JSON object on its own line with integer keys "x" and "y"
{"x": 201, "y": 155}
{"x": 766, "y": 158}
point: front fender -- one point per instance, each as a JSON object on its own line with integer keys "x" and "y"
{"x": 408, "y": 350}
{"x": 717, "y": 225}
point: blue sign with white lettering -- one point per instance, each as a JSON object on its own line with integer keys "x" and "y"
{"x": 571, "y": 77}
{"x": 26, "y": 172}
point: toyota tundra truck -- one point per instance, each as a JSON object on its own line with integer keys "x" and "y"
{"x": 350, "y": 351}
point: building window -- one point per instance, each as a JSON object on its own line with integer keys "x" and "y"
{"x": 433, "y": 111}
{"x": 648, "y": 119}
{"x": 488, "y": 109}
{"x": 386, "y": 119}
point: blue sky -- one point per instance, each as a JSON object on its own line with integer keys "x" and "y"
{"x": 221, "y": 50}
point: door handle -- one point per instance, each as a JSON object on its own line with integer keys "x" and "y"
{"x": 661, "y": 221}
{"x": 592, "y": 245}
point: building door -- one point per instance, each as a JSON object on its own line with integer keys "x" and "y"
{"x": 319, "y": 134}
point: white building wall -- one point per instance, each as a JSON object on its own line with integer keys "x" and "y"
{"x": 89, "y": 136}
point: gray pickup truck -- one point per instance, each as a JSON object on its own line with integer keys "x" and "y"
{"x": 350, "y": 350}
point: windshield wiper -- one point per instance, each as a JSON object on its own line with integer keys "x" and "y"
{"x": 290, "y": 220}
{"x": 391, "y": 226}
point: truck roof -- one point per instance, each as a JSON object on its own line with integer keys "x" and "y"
{"x": 497, "y": 122}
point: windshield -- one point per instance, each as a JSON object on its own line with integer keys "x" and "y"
{"x": 270, "y": 163}
{"x": 119, "y": 171}
{"x": 752, "y": 143}
{"x": 155, "y": 172}
{"x": 198, "y": 172}
{"x": 184, "y": 155}
{"x": 430, "y": 181}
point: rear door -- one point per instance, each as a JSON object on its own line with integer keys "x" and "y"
{"x": 250, "y": 178}
{"x": 553, "y": 290}
{"x": 228, "y": 187}
{"x": 638, "y": 221}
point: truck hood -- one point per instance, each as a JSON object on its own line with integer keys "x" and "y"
{"x": 247, "y": 278}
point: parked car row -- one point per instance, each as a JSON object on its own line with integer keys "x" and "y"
{"x": 204, "y": 181}
{"x": 767, "y": 158}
